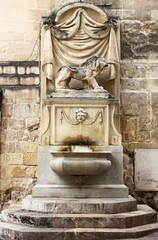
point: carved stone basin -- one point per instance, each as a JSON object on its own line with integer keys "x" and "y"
{"x": 80, "y": 163}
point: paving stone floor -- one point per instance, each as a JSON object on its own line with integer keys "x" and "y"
{"x": 153, "y": 236}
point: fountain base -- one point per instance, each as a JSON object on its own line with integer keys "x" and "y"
{"x": 108, "y": 184}
{"x": 80, "y": 219}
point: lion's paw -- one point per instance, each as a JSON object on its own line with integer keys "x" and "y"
{"x": 100, "y": 87}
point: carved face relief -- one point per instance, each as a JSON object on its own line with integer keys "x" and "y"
{"x": 81, "y": 114}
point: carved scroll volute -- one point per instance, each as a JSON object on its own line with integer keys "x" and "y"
{"x": 115, "y": 137}
{"x": 45, "y": 120}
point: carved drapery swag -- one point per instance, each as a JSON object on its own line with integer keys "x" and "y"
{"x": 82, "y": 30}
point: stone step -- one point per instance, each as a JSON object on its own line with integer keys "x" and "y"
{"x": 144, "y": 215}
{"x": 19, "y": 232}
{"x": 80, "y": 205}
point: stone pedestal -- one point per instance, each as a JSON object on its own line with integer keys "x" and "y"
{"x": 71, "y": 117}
{"x": 79, "y": 205}
{"x": 79, "y": 219}
{"x": 80, "y": 154}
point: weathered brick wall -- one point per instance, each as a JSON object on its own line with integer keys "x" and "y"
{"x": 19, "y": 79}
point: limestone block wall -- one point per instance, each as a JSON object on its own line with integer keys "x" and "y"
{"x": 20, "y": 28}
{"x": 19, "y": 81}
{"x": 139, "y": 95}
{"x": 19, "y": 125}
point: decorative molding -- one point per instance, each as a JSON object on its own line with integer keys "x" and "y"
{"x": 80, "y": 116}
{"x": 116, "y": 137}
{"x": 45, "y": 120}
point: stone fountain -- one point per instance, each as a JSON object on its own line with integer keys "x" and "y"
{"x": 80, "y": 153}
{"x": 80, "y": 193}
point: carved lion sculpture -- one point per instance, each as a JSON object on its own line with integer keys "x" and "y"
{"x": 86, "y": 72}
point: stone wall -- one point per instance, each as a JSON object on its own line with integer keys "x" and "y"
{"x": 21, "y": 22}
{"x": 139, "y": 95}
{"x": 19, "y": 81}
